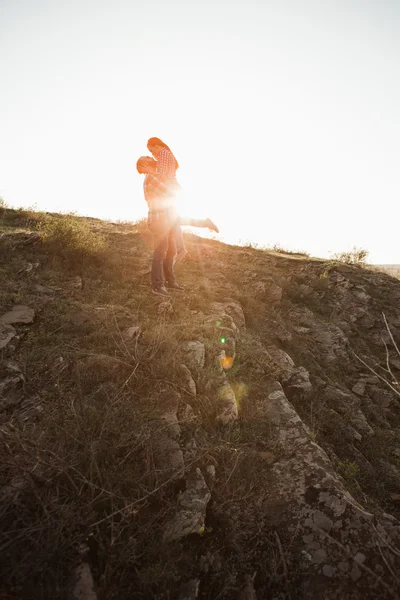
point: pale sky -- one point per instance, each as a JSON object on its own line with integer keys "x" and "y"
{"x": 284, "y": 114}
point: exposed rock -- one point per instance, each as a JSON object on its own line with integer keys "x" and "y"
{"x": 165, "y": 432}
{"x": 28, "y": 268}
{"x": 234, "y": 309}
{"x": 371, "y": 378}
{"x": 11, "y": 366}
{"x": 31, "y": 409}
{"x": 391, "y": 472}
{"x": 18, "y": 314}
{"x": 359, "y": 422}
{"x": 82, "y": 584}
{"x": 10, "y": 382}
{"x": 211, "y": 471}
{"x": 268, "y": 457}
{"x": 301, "y": 330}
{"x": 279, "y": 331}
{"x": 248, "y": 592}
{"x": 75, "y": 283}
{"x": 188, "y": 415}
{"x": 273, "y": 293}
{"x": 46, "y": 289}
{"x": 189, "y": 590}
{"x": 300, "y": 380}
{"x": 228, "y": 409}
{"x": 165, "y": 307}
{"x": 195, "y": 354}
{"x": 356, "y": 436}
{"x": 187, "y": 379}
{"x": 131, "y": 333}
{"x": 361, "y": 295}
{"x": 329, "y": 338}
{"x": 7, "y": 332}
{"x": 15, "y": 490}
{"x": 283, "y": 360}
{"x": 191, "y": 511}
{"x": 359, "y": 388}
{"x": 306, "y": 496}
{"x": 10, "y": 392}
{"x": 295, "y": 378}
{"x": 395, "y": 362}
{"x": 259, "y": 289}
{"x": 20, "y": 238}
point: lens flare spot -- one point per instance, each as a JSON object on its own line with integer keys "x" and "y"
{"x": 218, "y": 323}
{"x": 222, "y": 340}
{"x": 226, "y": 362}
{"x": 240, "y": 391}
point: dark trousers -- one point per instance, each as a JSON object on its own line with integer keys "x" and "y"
{"x": 163, "y": 256}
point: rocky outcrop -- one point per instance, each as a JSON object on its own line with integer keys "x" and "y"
{"x": 194, "y": 354}
{"x": 191, "y": 510}
{"x": 165, "y": 433}
{"x": 344, "y": 546}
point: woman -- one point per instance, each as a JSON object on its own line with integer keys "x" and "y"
{"x": 162, "y": 221}
{"x": 167, "y": 166}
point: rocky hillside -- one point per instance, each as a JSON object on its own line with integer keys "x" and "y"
{"x": 240, "y": 440}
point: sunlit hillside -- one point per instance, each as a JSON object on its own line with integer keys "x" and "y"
{"x": 239, "y": 439}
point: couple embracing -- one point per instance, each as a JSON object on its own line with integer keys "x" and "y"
{"x": 160, "y": 189}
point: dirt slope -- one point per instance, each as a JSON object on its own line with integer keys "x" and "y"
{"x": 240, "y": 440}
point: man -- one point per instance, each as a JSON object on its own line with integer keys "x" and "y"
{"x": 163, "y": 222}
{"x": 160, "y": 223}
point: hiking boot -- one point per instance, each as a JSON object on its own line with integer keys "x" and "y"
{"x": 160, "y": 291}
{"x": 211, "y": 225}
{"x": 175, "y": 286}
{"x": 180, "y": 256}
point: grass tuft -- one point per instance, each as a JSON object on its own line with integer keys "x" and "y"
{"x": 71, "y": 237}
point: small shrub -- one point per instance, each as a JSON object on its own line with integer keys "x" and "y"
{"x": 278, "y": 248}
{"x": 69, "y": 235}
{"x": 140, "y": 225}
{"x": 349, "y": 469}
{"x": 356, "y": 256}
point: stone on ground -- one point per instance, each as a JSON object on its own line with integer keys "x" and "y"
{"x": 195, "y": 354}
{"x": 82, "y": 585}
{"x": 7, "y": 332}
{"x": 187, "y": 379}
{"x": 190, "y": 515}
{"x": 189, "y": 590}
{"x": 227, "y": 404}
{"x": 18, "y": 314}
